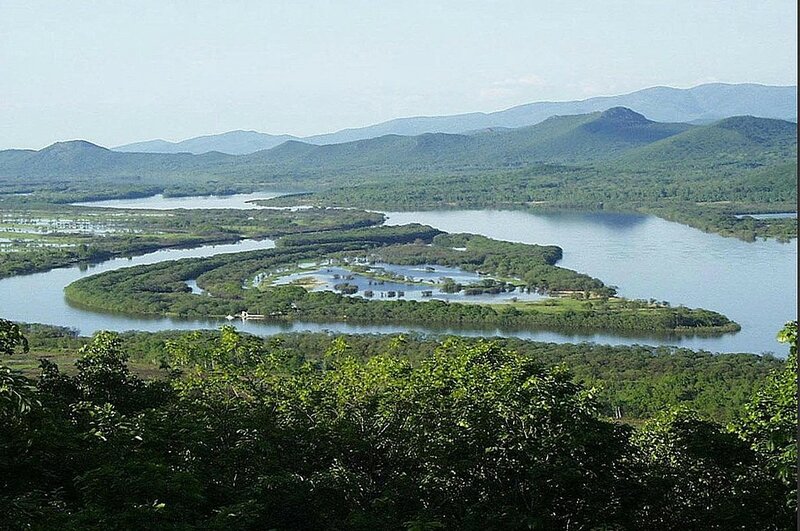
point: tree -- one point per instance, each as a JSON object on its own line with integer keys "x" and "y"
{"x": 770, "y": 419}
{"x": 697, "y": 475}
{"x": 11, "y": 338}
{"x": 16, "y": 393}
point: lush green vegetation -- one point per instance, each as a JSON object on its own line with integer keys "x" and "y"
{"x": 723, "y": 218}
{"x": 533, "y": 265}
{"x": 631, "y": 382}
{"x": 241, "y": 435}
{"x": 702, "y": 177}
{"x": 614, "y": 160}
{"x": 44, "y": 236}
{"x": 161, "y": 288}
{"x": 218, "y": 430}
{"x": 707, "y": 200}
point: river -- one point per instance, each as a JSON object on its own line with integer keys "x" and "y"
{"x": 159, "y": 202}
{"x": 753, "y": 283}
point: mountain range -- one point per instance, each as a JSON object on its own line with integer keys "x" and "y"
{"x": 232, "y": 143}
{"x": 698, "y": 105}
{"x": 617, "y": 135}
{"x": 560, "y": 139}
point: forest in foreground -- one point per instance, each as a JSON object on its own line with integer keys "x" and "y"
{"x": 239, "y": 433}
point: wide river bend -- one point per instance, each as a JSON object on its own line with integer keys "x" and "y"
{"x": 753, "y": 283}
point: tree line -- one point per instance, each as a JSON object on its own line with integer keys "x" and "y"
{"x": 161, "y": 289}
{"x": 475, "y": 436}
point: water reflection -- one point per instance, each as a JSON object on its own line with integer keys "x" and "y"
{"x": 159, "y": 202}
{"x": 754, "y": 284}
{"x": 616, "y": 222}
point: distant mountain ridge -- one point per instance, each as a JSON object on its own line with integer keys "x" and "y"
{"x": 617, "y": 135}
{"x": 231, "y": 143}
{"x": 578, "y": 138}
{"x": 76, "y": 159}
{"x": 701, "y": 104}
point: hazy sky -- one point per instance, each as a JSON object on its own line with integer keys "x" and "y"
{"x": 119, "y": 72}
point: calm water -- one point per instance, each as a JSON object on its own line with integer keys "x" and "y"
{"x": 39, "y": 298}
{"x": 778, "y": 215}
{"x": 425, "y": 278}
{"x": 159, "y": 202}
{"x": 753, "y": 283}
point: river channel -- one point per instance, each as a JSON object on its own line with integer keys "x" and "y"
{"x": 753, "y": 283}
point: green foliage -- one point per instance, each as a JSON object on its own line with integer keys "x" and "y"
{"x": 699, "y": 476}
{"x": 15, "y": 392}
{"x": 133, "y": 233}
{"x": 474, "y": 436}
{"x": 632, "y": 382}
{"x": 11, "y": 338}
{"x": 103, "y": 371}
{"x": 161, "y": 288}
{"x": 770, "y": 419}
{"x": 384, "y": 235}
{"x": 16, "y": 396}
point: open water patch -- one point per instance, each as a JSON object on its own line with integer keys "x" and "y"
{"x": 393, "y": 281}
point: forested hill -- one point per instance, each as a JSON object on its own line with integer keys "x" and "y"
{"x": 617, "y": 133}
{"x": 580, "y": 138}
{"x": 742, "y": 139}
{"x": 80, "y": 159}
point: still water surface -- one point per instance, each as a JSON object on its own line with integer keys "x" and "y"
{"x": 753, "y": 283}
{"x": 410, "y": 282}
{"x": 159, "y": 202}
{"x": 646, "y": 257}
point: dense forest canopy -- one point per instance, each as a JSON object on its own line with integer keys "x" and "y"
{"x": 474, "y": 436}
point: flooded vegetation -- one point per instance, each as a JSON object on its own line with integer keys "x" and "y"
{"x": 46, "y": 236}
{"x": 388, "y": 281}
{"x": 616, "y": 247}
{"x": 162, "y": 289}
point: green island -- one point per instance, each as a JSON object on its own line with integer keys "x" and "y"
{"x": 161, "y": 289}
{"x": 310, "y": 431}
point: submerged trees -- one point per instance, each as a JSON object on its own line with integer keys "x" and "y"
{"x": 161, "y": 288}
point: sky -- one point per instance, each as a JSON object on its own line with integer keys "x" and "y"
{"x": 120, "y": 72}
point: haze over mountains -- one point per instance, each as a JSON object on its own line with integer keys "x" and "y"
{"x": 577, "y": 138}
{"x": 617, "y": 134}
{"x": 699, "y": 105}
{"x": 232, "y": 143}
